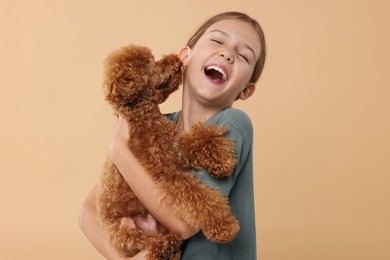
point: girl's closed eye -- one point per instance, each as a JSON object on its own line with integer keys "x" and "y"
{"x": 244, "y": 57}
{"x": 216, "y": 41}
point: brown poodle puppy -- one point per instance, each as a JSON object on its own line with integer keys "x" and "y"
{"x": 135, "y": 85}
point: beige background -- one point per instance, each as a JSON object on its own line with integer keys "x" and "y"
{"x": 321, "y": 118}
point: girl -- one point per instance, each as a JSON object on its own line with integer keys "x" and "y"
{"x": 223, "y": 60}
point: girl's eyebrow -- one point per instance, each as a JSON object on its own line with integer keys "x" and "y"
{"x": 227, "y": 35}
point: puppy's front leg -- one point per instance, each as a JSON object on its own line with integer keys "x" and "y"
{"x": 206, "y": 147}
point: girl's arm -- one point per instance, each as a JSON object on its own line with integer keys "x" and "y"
{"x": 142, "y": 184}
{"x": 90, "y": 226}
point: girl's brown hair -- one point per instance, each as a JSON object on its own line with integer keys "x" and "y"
{"x": 239, "y": 16}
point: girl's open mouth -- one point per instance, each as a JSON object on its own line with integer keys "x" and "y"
{"x": 216, "y": 73}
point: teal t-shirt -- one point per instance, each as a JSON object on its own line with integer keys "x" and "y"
{"x": 239, "y": 189}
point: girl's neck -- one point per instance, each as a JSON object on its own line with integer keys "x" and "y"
{"x": 193, "y": 112}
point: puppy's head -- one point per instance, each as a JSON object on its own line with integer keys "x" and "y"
{"x": 170, "y": 75}
{"x": 128, "y": 74}
{"x": 133, "y": 78}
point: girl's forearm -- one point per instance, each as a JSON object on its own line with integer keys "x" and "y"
{"x": 90, "y": 226}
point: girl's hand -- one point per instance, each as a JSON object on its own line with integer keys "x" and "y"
{"x": 119, "y": 138}
{"x": 147, "y": 224}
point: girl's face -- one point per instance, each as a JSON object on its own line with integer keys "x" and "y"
{"x": 220, "y": 65}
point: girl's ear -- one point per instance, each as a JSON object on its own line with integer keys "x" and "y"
{"x": 184, "y": 55}
{"x": 247, "y": 92}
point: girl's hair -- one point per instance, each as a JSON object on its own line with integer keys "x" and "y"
{"x": 239, "y": 16}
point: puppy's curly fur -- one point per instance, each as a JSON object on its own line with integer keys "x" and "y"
{"x": 135, "y": 85}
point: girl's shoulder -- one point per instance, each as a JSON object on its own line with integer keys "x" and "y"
{"x": 234, "y": 119}
{"x": 173, "y": 116}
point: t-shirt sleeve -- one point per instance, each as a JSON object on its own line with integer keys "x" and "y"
{"x": 240, "y": 130}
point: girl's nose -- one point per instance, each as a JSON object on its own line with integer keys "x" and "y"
{"x": 226, "y": 55}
